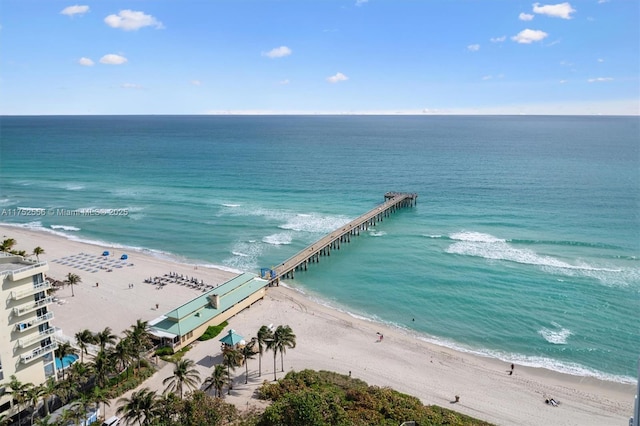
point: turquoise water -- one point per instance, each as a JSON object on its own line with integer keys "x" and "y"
{"x": 523, "y": 246}
{"x": 65, "y": 361}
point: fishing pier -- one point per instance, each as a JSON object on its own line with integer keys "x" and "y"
{"x": 322, "y": 247}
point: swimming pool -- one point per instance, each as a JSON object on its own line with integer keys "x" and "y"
{"x": 66, "y": 361}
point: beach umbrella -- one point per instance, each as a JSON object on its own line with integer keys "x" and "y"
{"x": 124, "y": 257}
{"x": 105, "y": 253}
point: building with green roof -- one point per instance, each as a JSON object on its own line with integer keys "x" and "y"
{"x": 186, "y": 323}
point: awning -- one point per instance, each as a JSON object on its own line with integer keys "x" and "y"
{"x": 162, "y": 333}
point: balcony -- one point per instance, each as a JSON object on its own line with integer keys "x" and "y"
{"x": 32, "y": 306}
{"x": 44, "y": 285}
{"x": 24, "y": 326}
{"x": 27, "y": 341}
{"x": 36, "y": 353}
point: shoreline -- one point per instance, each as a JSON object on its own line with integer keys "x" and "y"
{"x": 329, "y": 339}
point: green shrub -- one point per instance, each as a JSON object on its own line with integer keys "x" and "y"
{"x": 325, "y": 398}
{"x": 165, "y": 350}
{"x": 213, "y": 331}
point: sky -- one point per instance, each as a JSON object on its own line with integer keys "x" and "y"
{"x": 319, "y": 57}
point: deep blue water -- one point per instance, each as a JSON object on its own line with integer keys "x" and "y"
{"x": 524, "y": 244}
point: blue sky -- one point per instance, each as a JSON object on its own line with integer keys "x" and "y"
{"x": 319, "y": 56}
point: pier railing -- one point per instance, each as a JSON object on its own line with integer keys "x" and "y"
{"x": 323, "y": 247}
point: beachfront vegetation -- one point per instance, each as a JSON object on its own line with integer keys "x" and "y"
{"x": 73, "y": 279}
{"x": 184, "y": 375}
{"x": 282, "y": 339}
{"x": 8, "y": 244}
{"x": 212, "y": 331}
{"x": 264, "y": 335}
{"x": 326, "y": 398}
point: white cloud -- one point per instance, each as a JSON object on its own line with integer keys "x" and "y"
{"x": 85, "y": 62}
{"x": 337, "y": 78}
{"x": 361, "y": 2}
{"x": 525, "y": 16}
{"x": 284, "y": 82}
{"x": 529, "y": 36}
{"x": 278, "y": 52}
{"x": 563, "y": 81}
{"x": 473, "y": 47}
{"x": 131, "y": 20}
{"x": 196, "y": 82}
{"x": 600, "y": 60}
{"x": 560, "y": 10}
{"x": 75, "y": 10}
{"x": 487, "y": 77}
{"x": 498, "y": 39}
{"x": 130, "y": 86}
{"x": 113, "y": 59}
{"x": 599, "y": 79}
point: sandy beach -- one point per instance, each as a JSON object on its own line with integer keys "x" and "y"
{"x": 326, "y": 340}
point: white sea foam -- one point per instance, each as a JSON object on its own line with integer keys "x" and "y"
{"x": 301, "y": 222}
{"x": 237, "y": 253}
{"x": 65, "y": 228}
{"x": 315, "y": 223}
{"x": 230, "y": 205}
{"x": 557, "y": 336}
{"x": 5, "y": 201}
{"x": 375, "y": 233}
{"x": 477, "y": 237}
{"x": 282, "y": 238}
{"x": 490, "y": 247}
{"x": 73, "y": 187}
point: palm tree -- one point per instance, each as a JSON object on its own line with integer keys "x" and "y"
{"x": 104, "y": 338}
{"x": 264, "y": 334}
{"x": 63, "y": 350}
{"x": 231, "y": 357}
{"x": 83, "y": 339}
{"x": 19, "y": 391}
{"x": 7, "y": 244}
{"x": 79, "y": 374}
{"x": 100, "y": 396}
{"x": 102, "y": 365}
{"x": 122, "y": 353}
{"x": 141, "y": 407}
{"x": 37, "y": 252}
{"x": 73, "y": 279}
{"x": 184, "y": 373}
{"x": 32, "y": 396}
{"x": 218, "y": 378}
{"x": 248, "y": 353}
{"x": 140, "y": 339}
{"x": 48, "y": 390}
{"x": 283, "y": 338}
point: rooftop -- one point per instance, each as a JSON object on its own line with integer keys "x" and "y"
{"x": 200, "y": 310}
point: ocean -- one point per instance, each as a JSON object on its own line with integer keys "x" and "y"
{"x": 524, "y": 244}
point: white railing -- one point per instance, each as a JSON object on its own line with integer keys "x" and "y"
{"x": 34, "y": 264}
{"x": 39, "y": 320}
{"x": 38, "y": 352}
{"x": 44, "y": 285}
{"x": 32, "y": 307}
{"x": 35, "y": 338}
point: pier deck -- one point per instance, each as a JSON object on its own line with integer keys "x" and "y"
{"x": 323, "y": 247}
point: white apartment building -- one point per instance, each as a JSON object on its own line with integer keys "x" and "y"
{"x": 26, "y": 337}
